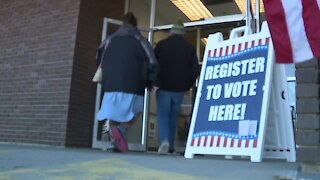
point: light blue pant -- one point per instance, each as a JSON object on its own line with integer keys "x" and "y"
{"x": 168, "y": 106}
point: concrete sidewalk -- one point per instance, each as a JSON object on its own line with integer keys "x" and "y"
{"x": 24, "y": 162}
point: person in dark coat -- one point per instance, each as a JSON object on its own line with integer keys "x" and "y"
{"x": 128, "y": 67}
{"x": 179, "y": 69}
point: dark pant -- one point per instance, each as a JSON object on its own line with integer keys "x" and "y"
{"x": 168, "y": 107}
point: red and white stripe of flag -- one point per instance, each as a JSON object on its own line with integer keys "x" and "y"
{"x": 228, "y": 50}
{"x": 223, "y": 142}
{"x": 295, "y": 29}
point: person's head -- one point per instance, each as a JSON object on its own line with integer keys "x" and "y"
{"x": 129, "y": 18}
{"x": 178, "y": 28}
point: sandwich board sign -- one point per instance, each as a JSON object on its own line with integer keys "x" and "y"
{"x": 241, "y": 108}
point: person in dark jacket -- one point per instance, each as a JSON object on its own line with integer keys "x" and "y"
{"x": 128, "y": 67}
{"x": 179, "y": 70}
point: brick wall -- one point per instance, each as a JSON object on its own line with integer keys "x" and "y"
{"x": 47, "y": 51}
{"x": 83, "y": 91}
{"x": 37, "y": 40}
{"x": 308, "y": 109}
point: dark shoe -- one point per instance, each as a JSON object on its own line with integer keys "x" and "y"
{"x": 119, "y": 140}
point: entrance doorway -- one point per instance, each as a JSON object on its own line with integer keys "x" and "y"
{"x": 143, "y": 135}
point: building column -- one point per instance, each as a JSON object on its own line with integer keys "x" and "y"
{"x": 308, "y": 107}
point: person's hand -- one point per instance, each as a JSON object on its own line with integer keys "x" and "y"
{"x": 154, "y": 89}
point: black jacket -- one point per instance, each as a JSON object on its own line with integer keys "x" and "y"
{"x": 129, "y": 64}
{"x": 179, "y": 67}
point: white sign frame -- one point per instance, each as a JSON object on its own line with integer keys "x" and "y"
{"x": 284, "y": 142}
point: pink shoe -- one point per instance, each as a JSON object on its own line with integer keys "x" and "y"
{"x": 120, "y": 141}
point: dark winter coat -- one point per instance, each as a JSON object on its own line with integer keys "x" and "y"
{"x": 129, "y": 64}
{"x": 179, "y": 67}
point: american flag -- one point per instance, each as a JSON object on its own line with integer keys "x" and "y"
{"x": 295, "y": 29}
